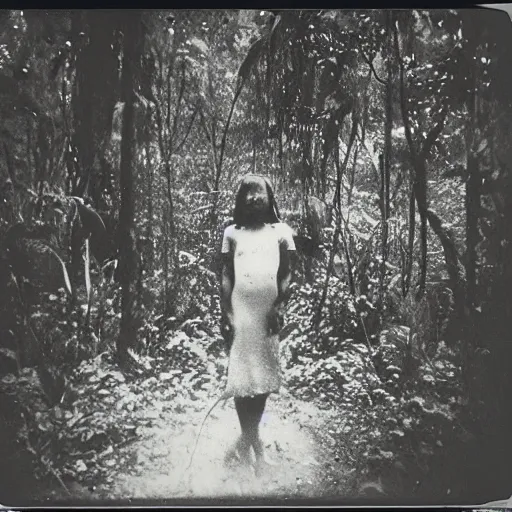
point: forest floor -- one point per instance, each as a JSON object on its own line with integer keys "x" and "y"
{"x": 128, "y": 440}
{"x": 152, "y": 469}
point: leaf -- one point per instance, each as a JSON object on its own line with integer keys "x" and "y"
{"x": 166, "y": 376}
{"x": 58, "y": 413}
{"x": 9, "y": 353}
{"x": 373, "y": 222}
{"x": 45, "y": 247}
{"x": 108, "y": 264}
{"x": 272, "y": 45}
{"x": 394, "y": 281}
{"x": 199, "y": 44}
{"x": 482, "y": 146}
{"x": 117, "y": 119}
{"x": 251, "y": 59}
{"x": 88, "y": 276}
{"x": 117, "y": 376}
{"x": 42, "y": 421}
{"x": 108, "y": 451}
{"x": 192, "y": 61}
{"x": 191, "y": 258}
{"x": 91, "y": 220}
{"x": 8, "y": 379}
{"x": 362, "y": 236}
{"x": 80, "y": 466}
{"x": 153, "y": 415}
{"x": 57, "y": 63}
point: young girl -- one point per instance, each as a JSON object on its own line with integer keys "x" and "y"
{"x": 255, "y": 279}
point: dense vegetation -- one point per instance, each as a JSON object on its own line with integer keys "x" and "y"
{"x": 387, "y": 138}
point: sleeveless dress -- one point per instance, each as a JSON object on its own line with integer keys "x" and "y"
{"x": 254, "y": 356}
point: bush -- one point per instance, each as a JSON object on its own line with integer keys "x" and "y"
{"x": 398, "y": 404}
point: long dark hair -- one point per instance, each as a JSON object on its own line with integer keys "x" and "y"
{"x": 240, "y": 215}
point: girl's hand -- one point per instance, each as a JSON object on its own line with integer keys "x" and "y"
{"x": 227, "y": 328}
{"x": 274, "y": 320}
{"x": 230, "y": 319}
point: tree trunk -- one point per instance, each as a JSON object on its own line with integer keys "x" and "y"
{"x": 77, "y": 97}
{"x": 383, "y": 225}
{"x": 307, "y": 135}
{"x": 348, "y": 259}
{"x": 410, "y": 245}
{"x": 127, "y": 250}
{"x": 421, "y": 198}
{"x": 171, "y": 225}
{"x": 94, "y": 100}
{"x": 472, "y": 194}
{"x": 334, "y": 244}
{"x": 418, "y": 162}
{"x": 165, "y": 236}
{"x": 337, "y": 198}
{"x": 103, "y": 64}
{"x": 454, "y": 267}
{"x": 330, "y": 136}
{"x": 93, "y": 103}
{"x": 149, "y": 233}
{"x": 386, "y": 158}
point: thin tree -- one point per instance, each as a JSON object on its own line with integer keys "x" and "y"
{"x": 473, "y": 175}
{"x": 385, "y": 164}
{"x": 133, "y": 39}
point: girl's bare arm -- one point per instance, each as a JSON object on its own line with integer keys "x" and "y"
{"x": 284, "y": 275}
{"x": 227, "y": 283}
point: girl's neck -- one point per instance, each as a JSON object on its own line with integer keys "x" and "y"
{"x": 256, "y": 224}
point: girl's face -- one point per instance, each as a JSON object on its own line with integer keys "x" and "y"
{"x": 256, "y": 198}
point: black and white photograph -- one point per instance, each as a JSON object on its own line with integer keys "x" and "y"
{"x": 256, "y": 257}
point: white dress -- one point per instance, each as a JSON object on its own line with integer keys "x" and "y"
{"x": 254, "y": 356}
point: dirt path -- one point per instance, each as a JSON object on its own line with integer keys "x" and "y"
{"x": 294, "y": 433}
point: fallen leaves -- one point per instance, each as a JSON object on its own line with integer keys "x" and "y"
{"x": 80, "y": 466}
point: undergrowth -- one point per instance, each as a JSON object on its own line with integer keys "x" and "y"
{"x": 399, "y": 406}
{"x": 103, "y": 409}
{"x": 391, "y": 377}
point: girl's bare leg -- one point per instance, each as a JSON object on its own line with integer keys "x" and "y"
{"x": 258, "y": 406}
{"x": 239, "y": 452}
{"x": 250, "y": 411}
{"x": 241, "y": 448}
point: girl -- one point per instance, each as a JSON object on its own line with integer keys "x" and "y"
{"x": 255, "y": 279}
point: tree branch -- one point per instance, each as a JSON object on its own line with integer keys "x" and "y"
{"x": 170, "y": 72}
{"x": 403, "y": 103}
{"x": 371, "y": 154}
{"x": 159, "y": 123}
{"x": 214, "y": 143}
{"x": 205, "y": 127}
{"x": 179, "y": 146}
{"x": 372, "y": 68}
{"x": 433, "y": 135}
{"x": 209, "y": 138}
{"x": 225, "y": 134}
{"x": 177, "y": 112}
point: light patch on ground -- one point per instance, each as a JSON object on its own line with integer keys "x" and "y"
{"x": 154, "y": 467}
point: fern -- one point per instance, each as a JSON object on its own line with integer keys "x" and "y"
{"x": 40, "y": 247}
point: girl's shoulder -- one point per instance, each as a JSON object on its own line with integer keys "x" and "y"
{"x": 282, "y": 227}
{"x": 284, "y": 233}
{"x": 229, "y": 232}
{"x": 228, "y": 227}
